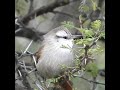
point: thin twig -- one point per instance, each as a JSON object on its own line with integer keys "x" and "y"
{"x": 28, "y": 52}
{"x": 32, "y": 71}
{"x": 24, "y": 53}
{"x": 27, "y": 67}
{"x": 94, "y": 84}
{"x": 31, "y": 6}
{"x": 88, "y": 80}
{"x": 19, "y": 73}
{"x": 81, "y": 23}
{"x": 16, "y": 31}
{"x": 27, "y": 47}
{"x": 24, "y": 65}
{"x": 39, "y": 86}
{"x": 34, "y": 59}
{"x": 92, "y": 81}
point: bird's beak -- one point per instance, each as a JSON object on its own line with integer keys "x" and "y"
{"x": 77, "y": 36}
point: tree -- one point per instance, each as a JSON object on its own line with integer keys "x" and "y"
{"x": 89, "y": 21}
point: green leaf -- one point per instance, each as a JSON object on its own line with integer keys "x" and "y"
{"x": 102, "y": 34}
{"x": 88, "y": 33}
{"x": 89, "y": 39}
{"x": 85, "y": 8}
{"x": 94, "y": 5}
{"x": 86, "y": 23}
{"x": 86, "y": 41}
{"x": 96, "y": 50}
{"x": 92, "y": 69}
{"x": 78, "y": 42}
{"x": 68, "y": 24}
{"x": 96, "y": 24}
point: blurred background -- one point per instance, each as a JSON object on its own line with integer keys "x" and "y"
{"x": 41, "y": 16}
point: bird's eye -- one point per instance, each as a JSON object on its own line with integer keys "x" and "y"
{"x": 65, "y": 37}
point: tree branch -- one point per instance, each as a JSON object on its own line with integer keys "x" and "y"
{"x": 72, "y": 16}
{"x": 31, "y": 6}
{"x": 95, "y": 83}
{"x": 45, "y": 9}
{"x": 92, "y": 81}
{"x": 29, "y": 33}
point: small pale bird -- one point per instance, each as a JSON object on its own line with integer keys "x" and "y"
{"x": 55, "y": 52}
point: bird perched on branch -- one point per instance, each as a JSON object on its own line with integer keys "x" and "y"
{"x": 55, "y": 52}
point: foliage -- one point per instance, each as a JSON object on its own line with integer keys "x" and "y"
{"x": 92, "y": 31}
{"x": 21, "y": 7}
{"x": 92, "y": 69}
{"x": 96, "y": 24}
{"x": 90, "y": 35}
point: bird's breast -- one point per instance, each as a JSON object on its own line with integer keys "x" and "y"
{"x": 53, "y": 60}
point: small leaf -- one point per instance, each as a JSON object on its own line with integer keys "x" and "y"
{"x": 89, "y": 39}
{"x": 94, "y": 5}
{"x": 85, "y": 8}
{"x": 96, "y": 24}
{"x": 88, "y": 33}
{"x": 68, "y": 24}
{"x": 92, "y": 69}
{"x": 78, "y": 42}
{"x": 102, "y": 35}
